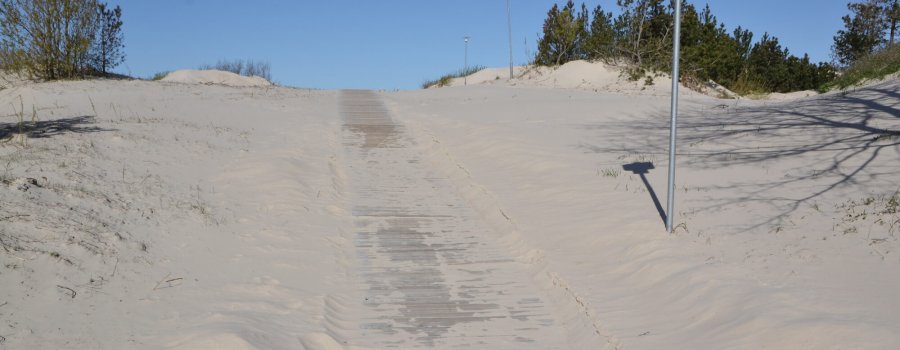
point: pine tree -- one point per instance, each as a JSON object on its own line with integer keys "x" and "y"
{"x": 863, "y": 32}
{"x": 641, "y": 37}
{"x": 107, "y": 51}
{"x": 549, "y": 46}
{"x": 643, "y": 30}
{"x": 768, "y": 63}
{"x": 564, "y": 35}
{"x": 601, "y": 39}
{"x": 708, "y": 51}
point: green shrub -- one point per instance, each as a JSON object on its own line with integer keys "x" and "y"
{"x": 59, "y": 39}
{"x": 747, "y": 84}
{"x": 160, "y": 75}
{"x": 875, "y": 66}
{"x": 447, "y": 78}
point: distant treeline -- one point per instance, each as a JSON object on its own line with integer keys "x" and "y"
{"x": 248, "y": 68}
{"x": 640, "y": 38}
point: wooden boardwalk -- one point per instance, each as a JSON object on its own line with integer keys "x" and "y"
{"x": 430, "y": 273}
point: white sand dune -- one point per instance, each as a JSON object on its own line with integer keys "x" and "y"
{"x": 212, "y": 76}
{"x": 142, "y": 215}
{"x": 774, "y": 248}
{"x": 580, "y": 75}
{"x": 600, "y": 77}
{"x": 584, "y": 75}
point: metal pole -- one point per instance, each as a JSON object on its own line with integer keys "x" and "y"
{"x": 676, "y": 53}
{"x": 466, "y": 66}
{"x": 509, "y": 25}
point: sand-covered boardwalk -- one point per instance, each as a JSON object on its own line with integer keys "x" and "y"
{"x": 432, "y": 273}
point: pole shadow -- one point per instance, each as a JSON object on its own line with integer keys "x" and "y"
{"x": 828, "y": 143}
{"x": 642, "y": 168}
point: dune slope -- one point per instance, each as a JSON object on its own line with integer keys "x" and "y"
{"x": 153, "y": 215}
{"x": 786, "y": 212}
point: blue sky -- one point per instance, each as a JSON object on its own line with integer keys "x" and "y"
{"x": 397, "y": 44}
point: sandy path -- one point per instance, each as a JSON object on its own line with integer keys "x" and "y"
{"x": 431, "y": 273}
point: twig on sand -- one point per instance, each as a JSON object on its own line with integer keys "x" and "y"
{"x": 14, "y": 216}
{"x": 167, "y": 282}
{"x": 71, "y": 291}
{"x": 92, "y": 105}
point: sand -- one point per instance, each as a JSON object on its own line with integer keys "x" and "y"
{"x": 772, "y": 248}
{"x": 796, "y": 95}
{"x": 602, "y": 77}
{"x": 588, "y": 76}
{"x": 148, "y": 215}
{"x": 213, "y": 76}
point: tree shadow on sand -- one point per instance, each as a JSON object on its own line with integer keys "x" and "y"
{"x": 50, "y": 128}
{"x": 831, "y": 141}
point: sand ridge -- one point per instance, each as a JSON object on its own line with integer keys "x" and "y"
{"x": 212, "y": 76}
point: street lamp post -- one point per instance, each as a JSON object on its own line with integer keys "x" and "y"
{"x": 676, "y": 53}
{"x": 466, "y": 64}
{"x": 509, "y": 26}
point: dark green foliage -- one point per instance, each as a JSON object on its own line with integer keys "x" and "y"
{"x": 863, "y": 32}
{"x": 768, "y": 59}
{"x": 708, "y": 51}
{"x": 564, "y": 34}
{"x": 107, "y": 51}
{"x": 645, "y": 28}
{"x": 783, "y": 72}
{"x": 601, "y": 38}
{"x": 641, "y": 38}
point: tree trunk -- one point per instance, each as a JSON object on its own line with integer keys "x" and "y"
{"x": 640, "y": 34}
{"x": 893, "y": 30}
{"x": 894, "y": 15}
{"x": 562, "y": 53}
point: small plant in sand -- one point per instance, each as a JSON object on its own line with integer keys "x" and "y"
{"x": 21, "y": 136}
{"x": 448, "y": 78}
{"x": 160, "y": 75}
{"x": 611, "y": 172}
{"x": 881, "y": 210}
{"x": 682, "y": 226}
